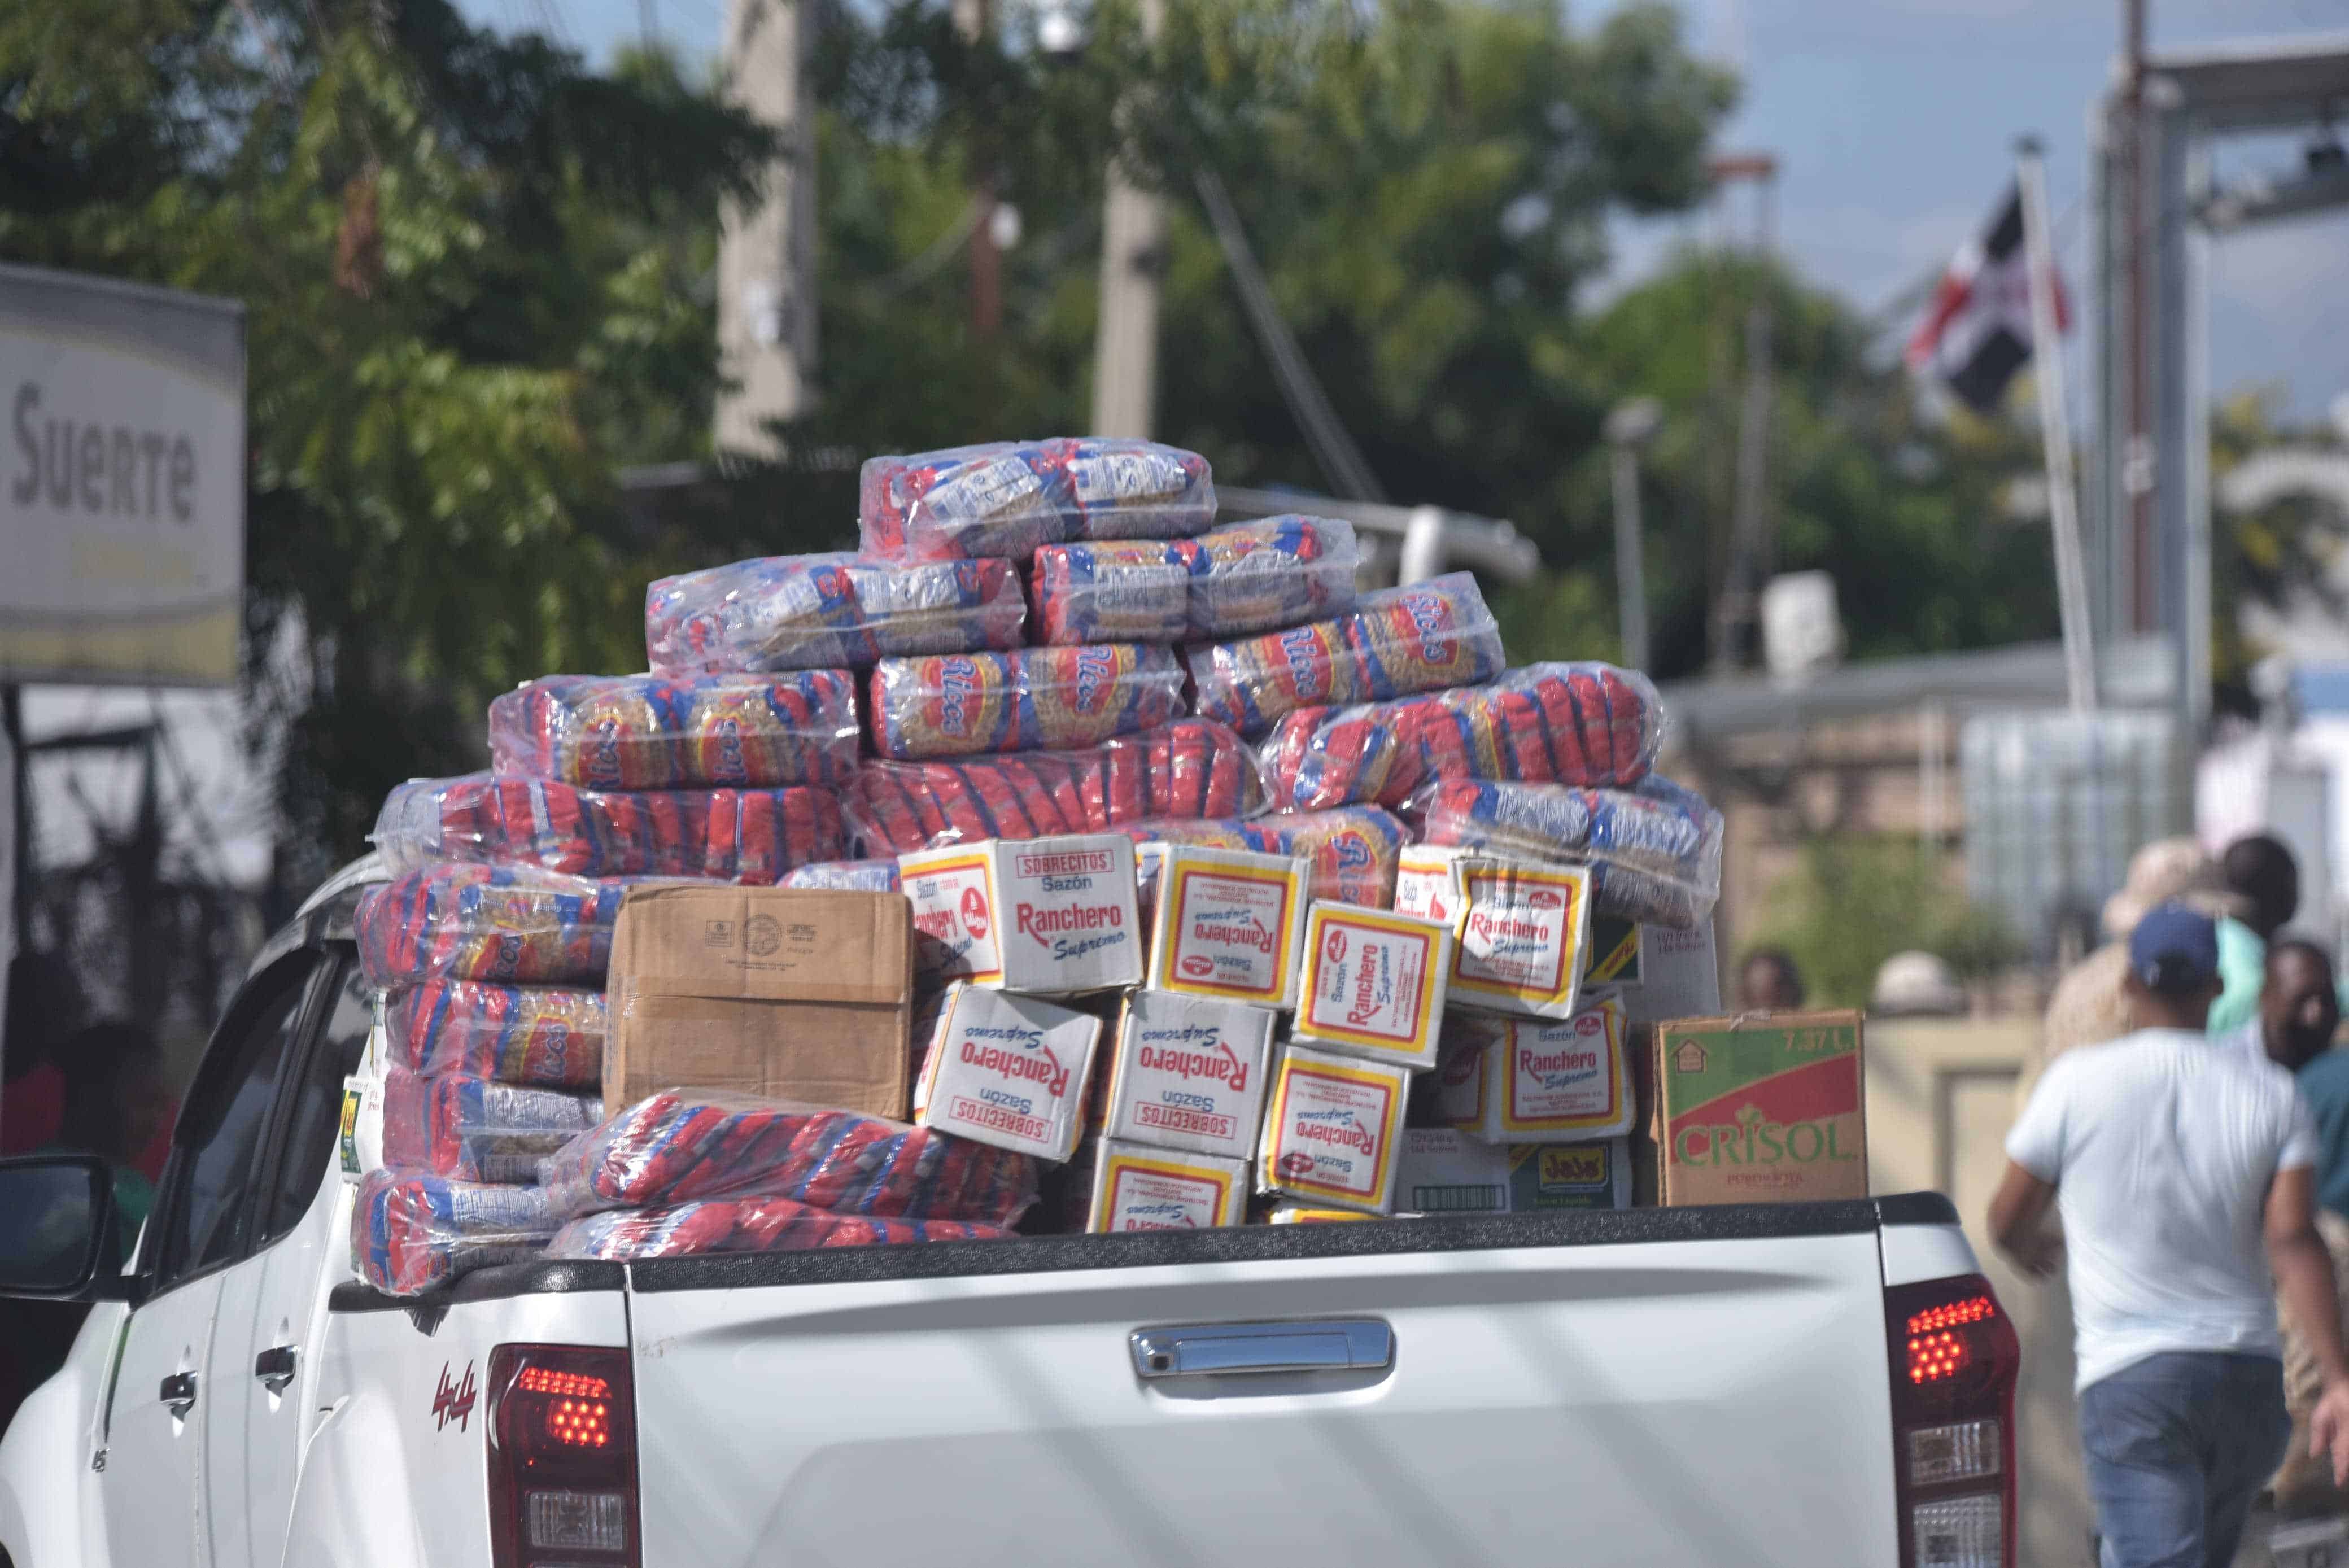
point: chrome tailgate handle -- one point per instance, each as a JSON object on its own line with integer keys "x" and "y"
{"x": 1307, "y": 1344}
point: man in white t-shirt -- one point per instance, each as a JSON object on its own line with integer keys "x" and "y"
{"x": 2184, "y": 1173}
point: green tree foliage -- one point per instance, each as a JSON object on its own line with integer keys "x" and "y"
{"x": 476, "y": 282}
{"x": 1854, "y": 901}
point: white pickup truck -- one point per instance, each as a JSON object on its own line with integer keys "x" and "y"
{"x": 1817, "y": 1386}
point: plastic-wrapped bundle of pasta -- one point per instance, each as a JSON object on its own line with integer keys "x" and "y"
{"x": 1052, "y": 700}
{"x": 1583, "y": 723}
{"x": 1121, "y": 591}
{"x": 411, "y": 1231}
{"x": 654, "y": 732}
{"x": 845, "y": 876}
{"x": 1654, "y": 849}
{"x": 547, "y": 1036}
{"x": 510, "y": 923}
{"x": 820, "y": 612}
{"x": 1188, "y": 767}
{"x": 1421, "y": 638}
{"x": 1272, "y": 572}
{"x": 1005, "y": 498}
{"x": 472, "y": 1130}
{"x": 503, "y": 818}
{"x": 685, "y": 1144}
{"x": 1352, "y": 851}
{"x": 746, "y": 1225}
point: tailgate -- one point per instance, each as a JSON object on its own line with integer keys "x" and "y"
{"x": 1648, "y": 1387}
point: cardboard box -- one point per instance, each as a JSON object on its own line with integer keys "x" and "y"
{"x": 1227, "y": 923}
{"x": 1332, "y": 1129}
{"x": 1522, "y": 937}
{"x": 1010, "y": 1070}
{"x": 1761, "y": 1108}
{"x": 1373, "y": 983}
{"x": 1138, "y": 1189}
{"x": 1423, "y": 885}
{"x": 1448, "y": 1172}
{"x": 1044, "y": 915}
{"x": 1680, "y": 976}
{"x": 1535, "y": 1080}
{"x": 1189, "y": 1073}
{"x": 787, "y": 993}
{"x": 1611, "y": 957}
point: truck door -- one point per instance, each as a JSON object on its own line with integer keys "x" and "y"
{"x": 273, "y": 1303}
{"x": 159, "y": 1473}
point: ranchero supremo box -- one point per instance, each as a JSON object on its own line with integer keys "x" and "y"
{"x": 1227, "y": 925}
{"x": 1521, "y": 937}
{"x": 1047, "y": 915}
{"x": 1332, "y": 1129}
{"x": 1189, "y": 1073}
{"x": 1139, "y": 1189}
{"x": 1760, "y": 1107}
{"x": 1373, "y": 983}
{"x": 1536, "y": 1081}
{"x": 1009, "y": 1071}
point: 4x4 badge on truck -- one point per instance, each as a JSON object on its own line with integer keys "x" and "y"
{"x": 453, "y": 1401}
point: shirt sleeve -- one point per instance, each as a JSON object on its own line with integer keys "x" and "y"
{"x": 2301, "y": 1147}
{"x": 2036, "y": 1142}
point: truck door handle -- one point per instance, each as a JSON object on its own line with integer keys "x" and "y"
{"x": 180, "y": 1392}
{"x": 1306, "y": 1344}
{"x": 276, "y": 1368}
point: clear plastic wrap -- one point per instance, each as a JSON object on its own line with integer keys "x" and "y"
{"x": 411, "y": 1231}
{"x": 685, "y": 1144}
{"x": 1424, "y": 638}
{"x": 654, "y": 732}
{"x": 504, "y": 819}
{"x": 1272, "y": 572}
{"x": 511, "y": 924}
{"x": 1122, "y": 591}
{"x": 1051, "y": 699}
{"x": 545, "y": 1035}
{"x": 824, "y": 612}
{"x": 1189, "y": 768}
{"x": 745, "y": 1225}
{"x": 1581, "y": 724}
{"x": 1005, "y": 498}
{"x": 846, "y": 876}
{"x": 1352, "y": 851}
{"x": 1654, "y": 849}
{"x": 472, "y": 1130}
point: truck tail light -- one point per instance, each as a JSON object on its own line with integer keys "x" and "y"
{"x": 1954, "y": 1359}
{"x": 563, "y": 1458}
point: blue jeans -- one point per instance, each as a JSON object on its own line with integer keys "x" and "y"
{"x": 2177, "y": 1446}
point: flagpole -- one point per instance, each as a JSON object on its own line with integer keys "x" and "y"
{"x": 2055, "y": 428}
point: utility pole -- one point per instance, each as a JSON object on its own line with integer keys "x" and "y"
{"x": 1750, "y": 541}
{"x": 2136, "y": 459}
{"x": 972, "y": 19}
{"x": 766, "y": 254}
{"x": 2055, "y": 427}
{"x": 1630, "y": 426}
{"x": 1125, "y": 342}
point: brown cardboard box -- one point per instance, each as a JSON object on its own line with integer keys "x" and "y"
{"x": 794, "y": 994}
{"x": 1763, "y": 1107}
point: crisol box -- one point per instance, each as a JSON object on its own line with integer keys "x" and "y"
{"x": 1333, "y": 1128}
{"x": 1189, "y": 1073}
{"x": 1536, "y": 1081}
{"x": 1521, "y": 937}
{"x": 1139, "y": 1189}
{"x": 1760, "y": 1107}
{"x": 1227, "y": 923}
{"x": 1047, "y": 915}
{"x": 1009, "y": 1071}
{"x": 1373, "y": 983}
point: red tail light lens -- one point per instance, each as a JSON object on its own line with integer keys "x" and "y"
{"x": 563, "y": 1458}
{"x": 1954, "y": 1358}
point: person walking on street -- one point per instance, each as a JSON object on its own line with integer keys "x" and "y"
{"x": 2265, "y": 879}
{"x": 2184, "y": 1173}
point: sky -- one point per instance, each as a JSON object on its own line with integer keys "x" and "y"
{"x": 1894, "y": 123}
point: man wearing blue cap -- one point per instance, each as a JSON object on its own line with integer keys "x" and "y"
{"x": 2184, "y": 1173}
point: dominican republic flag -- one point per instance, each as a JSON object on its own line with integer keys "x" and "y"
{"x": 1977, "y": 333}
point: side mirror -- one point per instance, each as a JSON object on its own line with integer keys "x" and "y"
{"x": 57, "y": 1228}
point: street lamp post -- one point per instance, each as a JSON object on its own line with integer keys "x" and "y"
{"x": 1630, "y": 427}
